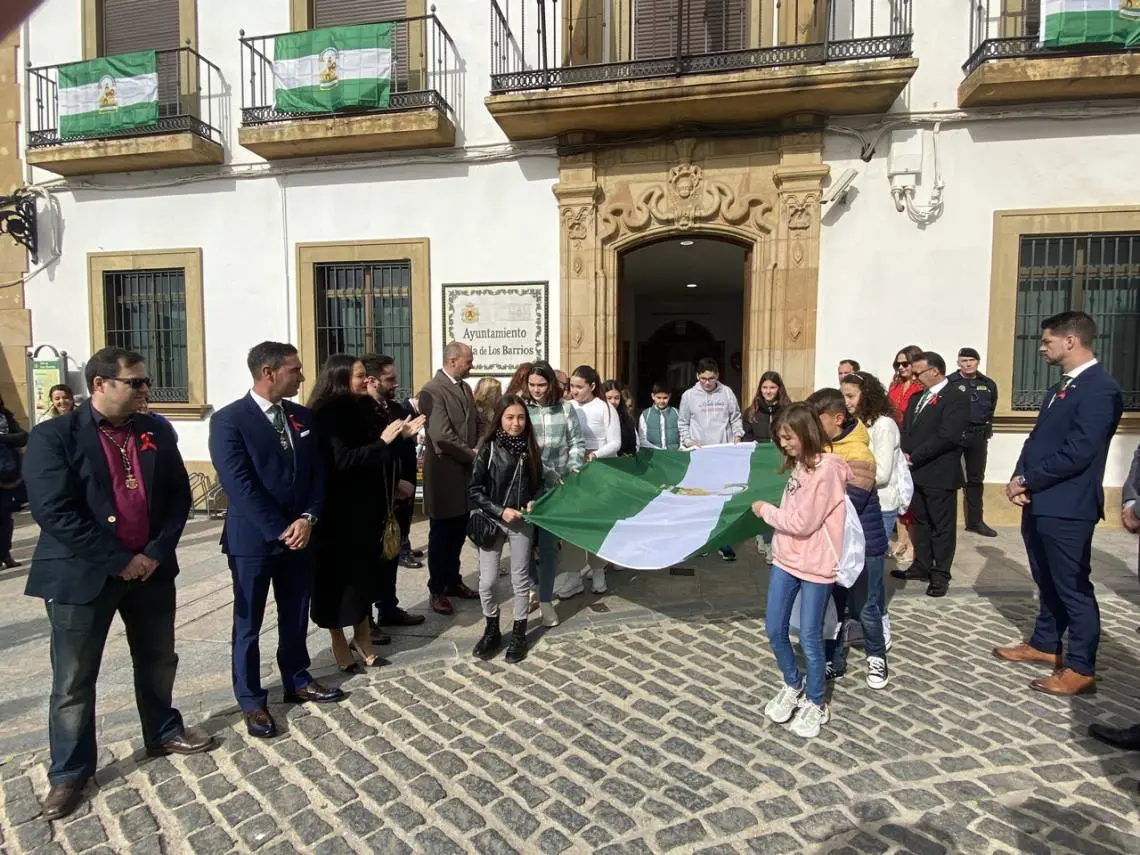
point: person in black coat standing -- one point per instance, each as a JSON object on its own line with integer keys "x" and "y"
{"x": 110, "y": 493}
{"x": 12, "y": 438}
{"x": 360, "y": 475}
{"x": 932, "y": 430}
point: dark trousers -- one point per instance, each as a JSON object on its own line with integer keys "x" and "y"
{"x": 974, "y": 465}
{"x": 404, "y": 511}
{"x": 445, "y": 543}
{"x": 78, "y": 635}
{"x": 386, "y": 600}
{"x": 291, "y": 574}
{"x": 1059, "y": 558}
{"x": 935, "y": 533}
{"x": 864, "y": 602}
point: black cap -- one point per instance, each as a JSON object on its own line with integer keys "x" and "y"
{"x": 969, "y": 353}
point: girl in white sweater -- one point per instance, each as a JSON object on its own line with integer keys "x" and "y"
{"x": 602, "y": 432}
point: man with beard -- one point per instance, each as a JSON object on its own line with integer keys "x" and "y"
{"x": 382, "y": 383}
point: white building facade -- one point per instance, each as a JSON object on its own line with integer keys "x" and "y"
{"x": 616, "y": 156}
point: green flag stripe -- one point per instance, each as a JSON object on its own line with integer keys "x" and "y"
{"x": 311, "y": 99}
{"x": 95, "y": 122}
{"x": 312, "y": 42}
{"x": 1104, "y": 26}
{"x": 93, "y": 70}
{"x": 737, "y": 523}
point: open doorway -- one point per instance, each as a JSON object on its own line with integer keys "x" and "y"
{"x": 680, "y": 300}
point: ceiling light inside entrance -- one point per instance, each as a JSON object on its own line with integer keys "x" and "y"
{"x": 686, "y": 243}
{"x": 691, "y": 285}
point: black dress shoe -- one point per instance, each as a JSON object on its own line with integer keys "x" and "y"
{"x": 10, "y": 562}
{"x": 192, "y": 740}
{"x": 401, "y": 618}
{"x": 416, "y": 553}
{"x": 410, "y": 561}
{"x": 379, "y": 636}
{"x": 936, "y": 591}
{"x": 910, "y": 574}
{"x": 316, "y": 693}
{"x": 1118, "y": 737}
{"x": 62, "y": 799}
{"x": 259, "y": 723}
{"x": 982, "y": 529}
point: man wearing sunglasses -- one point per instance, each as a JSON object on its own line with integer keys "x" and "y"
{"x": 109, "y": 490}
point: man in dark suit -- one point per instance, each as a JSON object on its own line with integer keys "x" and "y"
{"x": 265, "y": 453}
{"x": 932, "y": 431}
{"x": 1058, "y": 485}
{"x": 452, "y": 435}
{"x": 1125, "y": 737}
{"x": 110, "y": 493}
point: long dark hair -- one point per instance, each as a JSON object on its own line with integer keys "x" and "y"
{"x": 335, "y": 380}
{"x": 782, "y": 399}
{"x": 553, "y": 387}
{"x": 590, "y": 376}
{"x": 912, "y": 352}
{"x": 802, "y": 420}
{"x": 533, "y": 456}
{"x": 873, "y": 400}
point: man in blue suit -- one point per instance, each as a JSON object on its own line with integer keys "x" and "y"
{"x": 1057, "y": 484}
{"x": 265, "y": 453}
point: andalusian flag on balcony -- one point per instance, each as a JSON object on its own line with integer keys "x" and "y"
{"x": 321, "y": 71}
{"x": 108, "y": 94}
{"x": 1072, "y": 23}
{"x": 652, "y": 510}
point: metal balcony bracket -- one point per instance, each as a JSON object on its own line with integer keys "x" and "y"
{"x": 18, "y": 220}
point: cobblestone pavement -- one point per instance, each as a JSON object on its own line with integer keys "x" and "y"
{"x": 646, "y": 736}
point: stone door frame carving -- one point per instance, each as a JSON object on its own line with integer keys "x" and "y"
{"x": 763, "y": 194}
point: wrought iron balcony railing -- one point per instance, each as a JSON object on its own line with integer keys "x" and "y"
{"x": 1011, "y": 29}
{"x": 191, "y": 97}
{"x": 425, "y": 73}
{"x": 549, "y": 45}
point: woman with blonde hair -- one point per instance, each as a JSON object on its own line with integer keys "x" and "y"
{"x": 488, "y": 393}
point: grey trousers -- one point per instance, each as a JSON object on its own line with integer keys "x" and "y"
{"x": 520, "y": 539}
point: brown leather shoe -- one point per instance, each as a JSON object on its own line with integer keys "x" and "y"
{"x": 462, "y": 591}
{"x": 1064, "y": 681}
{"x": 62, "y": 799}
{"x": 259, "y": 723}
{"x": 1024, "y": 653}
{"x": 441, "y": 605}
{"x": 192, "y": 740}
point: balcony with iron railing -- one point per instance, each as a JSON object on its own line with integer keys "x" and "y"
{"x": 415, "y": 107}
{"x": 640, "y": 65}
{"x": 1019, "y": 55}
{"x": 182, "y": 129}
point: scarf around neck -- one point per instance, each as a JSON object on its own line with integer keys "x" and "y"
{"x": 516, "y": 445}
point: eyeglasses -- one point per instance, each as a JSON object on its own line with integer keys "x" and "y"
{"x": 707, "y": 379}
{"x": 901, "y": 364}
{"x": 136, "y": 383}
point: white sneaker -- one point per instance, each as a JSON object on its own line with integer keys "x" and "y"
{"x": 887, "y": 630}
{"x": 549, "y": 615}
{"x": 809, "y": 719}
{"x": 877, "y": 673}
{"x": 783, "y": 706}
{"x": 586, "y": 570}
{"x": 568, "y": 585}
{"x": 598, "y": 580}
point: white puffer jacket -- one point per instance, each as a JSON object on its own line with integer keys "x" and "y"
{"x": 885, "y": 441}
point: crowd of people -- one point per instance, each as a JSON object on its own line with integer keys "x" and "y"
{"x": 319, "y": 506}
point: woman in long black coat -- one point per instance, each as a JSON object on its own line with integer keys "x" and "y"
{"x": 359, "y": 465}
{"x": 12, "y": 437}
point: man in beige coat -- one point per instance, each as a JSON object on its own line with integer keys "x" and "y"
{"x": 448, "y": 403}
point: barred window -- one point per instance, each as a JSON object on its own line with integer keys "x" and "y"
{"x": 145, "y": 311}
{"x": 1094, "y": 273}
{"x": 366, "y": 308}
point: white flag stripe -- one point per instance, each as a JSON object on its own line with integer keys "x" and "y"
{"x": 128, "y": 90}
{"x": 637, "y": 543}
{"x": 366, "y": 64}
{"x": 1054, "y": 7}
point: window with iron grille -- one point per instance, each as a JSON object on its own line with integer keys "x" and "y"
{"x": 145, "y": 311}
{"x": 1098, "y": 274}
{"x": 366, "y": 307}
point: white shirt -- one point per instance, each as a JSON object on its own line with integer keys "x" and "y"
{"x": 930, "y": 393}
{"x": 267, "y": 411}
{"x": 600, "y": 427}
{"x": 1072, "y": 375}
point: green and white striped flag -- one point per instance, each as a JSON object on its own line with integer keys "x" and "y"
{"x": 1071, "y": 23}
{"x": 111, "y": 93}
{"x": 650, "y": 511}
{"x": 321, "y": 71}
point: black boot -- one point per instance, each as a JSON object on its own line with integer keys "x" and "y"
{"x": 486, "y": 646}
{"x": 516, "y": 650}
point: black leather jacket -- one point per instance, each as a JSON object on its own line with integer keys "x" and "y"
{"x": 499, "y": 480}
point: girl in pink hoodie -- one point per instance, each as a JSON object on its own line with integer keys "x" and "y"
{"x": 808, "y": 538}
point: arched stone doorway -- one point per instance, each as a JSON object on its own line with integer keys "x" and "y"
{"x": 761, "y": 192}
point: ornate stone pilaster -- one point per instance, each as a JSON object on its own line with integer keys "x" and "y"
{"x": 584, "y": 322}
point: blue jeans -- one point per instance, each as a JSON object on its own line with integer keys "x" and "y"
{"x": 547, "y": 566}
{"x": 78, "y": 635}
{"x": 889, "y": 520}
{"x": 863, "y": 602}
{"x": 782, "y": 590}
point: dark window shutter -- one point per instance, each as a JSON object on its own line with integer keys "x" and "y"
{"x": 131, "y": 25}
{"x": 710, "y": 26}
{"x": 337, "y": 13}
{"x": 654, "y": 28}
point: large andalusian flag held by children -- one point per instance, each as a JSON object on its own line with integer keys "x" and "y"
{"x": 109, "y": 94}
{"x": 1071, "y": 23}
{"x": 653, "y": 510}
{"x": 321, "y": 71}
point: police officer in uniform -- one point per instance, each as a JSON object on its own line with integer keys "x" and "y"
{"x": 975, "y": 443}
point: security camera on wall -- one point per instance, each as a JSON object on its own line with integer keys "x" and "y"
{"x": 837, "y": 191}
